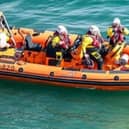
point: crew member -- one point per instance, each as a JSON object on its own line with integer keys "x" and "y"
{"x": 91, "y": 45}
{"x": 116, "y": 33}
{"x": 61, "y": 38}
{"x": 59, "y": 44}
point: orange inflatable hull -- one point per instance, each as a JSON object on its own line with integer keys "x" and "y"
{"x": 57, "y": 76}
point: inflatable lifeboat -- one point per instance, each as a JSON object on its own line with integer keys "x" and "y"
{"x": 34, "y": 63}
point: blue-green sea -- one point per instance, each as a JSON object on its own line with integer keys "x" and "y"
{"x": 36, "y": 106}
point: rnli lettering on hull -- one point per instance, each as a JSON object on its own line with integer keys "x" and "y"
{"x": 9, "y": 67}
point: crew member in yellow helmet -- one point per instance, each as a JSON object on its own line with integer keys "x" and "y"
{"x": 91, "y": 45}
{"x": 116, "y": 33}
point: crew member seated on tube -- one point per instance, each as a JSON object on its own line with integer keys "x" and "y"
{"x": 116, "y": 33}
{"x": 91, "y": 45}
{"x": 60, "y": 41}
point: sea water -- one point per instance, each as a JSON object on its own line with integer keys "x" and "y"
{"x": 36, "y": 106}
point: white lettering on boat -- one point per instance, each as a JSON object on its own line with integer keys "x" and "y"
{"x": 9, "y": 67}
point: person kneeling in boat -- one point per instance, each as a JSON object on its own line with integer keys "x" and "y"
{"x": 3, "y": 39}
{"x": 116, "y": 33}
{"x": 91, "y": 45}
{"x": 60, "y": 40}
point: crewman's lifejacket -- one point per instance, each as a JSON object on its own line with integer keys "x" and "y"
{"x": 62, "y": 41}
{"x": 95, "y": 42}
{"x": 116, "y": 34}
{"x": 88, "y": 42}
